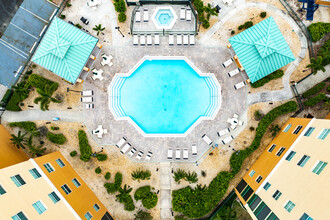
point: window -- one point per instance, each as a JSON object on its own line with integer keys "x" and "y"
{"x": 18, "y": 180}
{"x": 34, "y": 172}
{"x": 303, "y": 161}
{"x": 298, "y": 128}
{"x": 324, "y": 134}
{"x": 272, "y": 148}
{"x": 39, "y": 207}
{"x": 287, "y": 128}
{"x": 96, "y": 207}
{"x": 289, "y": 206}
{"x": 267, "y": 185}
{"x": 259, "y": 179}
{"x": 49, "y": 167}
{"x": 19, "y": 216}
{"x": 76, "y": 182}
{"x": 272, "y": 216}
{"x": 305, "y": 217}
{"x": 254, "y": 202}
{"x": 88, "y": 216}
{"x": 290, "y": 156}
{"x": 60, "y": 162}
{"x": 309, "y": 131}
{"x": 252, "y": 173}
{"x": 66, "y": 189}
{"x": 279, "y": 153}
{"x": 53, "y": 196}
{"x": 262, "y": 211}
{"x": 319, "y": 167}
{"x": 277, "y": 195}
{"x": 2, "y": 191}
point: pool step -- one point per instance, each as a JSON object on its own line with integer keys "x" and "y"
{"x": 115, "y": 97}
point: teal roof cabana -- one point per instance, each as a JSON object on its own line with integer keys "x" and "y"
{"x": 261, "y": 49}
{"x": 64, "y": 50}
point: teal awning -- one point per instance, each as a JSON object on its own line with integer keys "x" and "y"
{"x": 64, "y": 50}
{"x": 261, "y": 49}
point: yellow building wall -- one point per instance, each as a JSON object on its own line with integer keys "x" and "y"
{"x": 21, "y": 198}
{"x": 9, "y": 154}
{"x": 82, "y": 198}
{"x": 268, "y": 160}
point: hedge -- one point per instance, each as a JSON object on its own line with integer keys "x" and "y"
{"x": 85, "y": 149}
{"x": 275, "y": 75}
{"x": 118, "y": 180}
{"x": 13, "y": 103}
{"x": 122, "y": 17}
{"x": 318, "y": 30}
{"x": 149, "y": 199}
{"x": 246, "y": 25}
{"x": 5, "y": 99}
{"x": 324, "y": 52}
{"x": 316, "y": 99}
{"x": 26, "y": 125}
{"x": 141, "y": 192}
{"x": 315, "y": 89}
{"x": 38, "y": 82}
{"x": 199, "y": 201}
{"x": 56, "y": 138}
{"x": 101, "y": 157}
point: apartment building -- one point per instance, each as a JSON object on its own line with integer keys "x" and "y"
{"x": 290, "y": 180}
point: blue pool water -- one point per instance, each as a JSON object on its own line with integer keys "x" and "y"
{"x": 164, "y": 17}
{"x": 164, "y": 96}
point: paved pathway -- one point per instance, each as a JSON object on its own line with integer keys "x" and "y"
{"x": 165, "y": 191}
{"x": 33, "y": 115}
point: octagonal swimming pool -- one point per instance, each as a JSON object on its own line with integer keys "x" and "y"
{"x": 164, "y": 96}
{"x": 164, "y": 17}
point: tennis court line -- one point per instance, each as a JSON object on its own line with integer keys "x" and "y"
{"x": 33, "y": 14}
{"x": 24, "y": 31}
{"x": 9, "y": 46}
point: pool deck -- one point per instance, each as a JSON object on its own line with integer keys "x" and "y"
{"x": 207, "y": 59}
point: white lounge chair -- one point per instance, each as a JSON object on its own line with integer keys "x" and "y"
{"x": 185, "y": 39}
{"x": 142, "y": 40}
{"x": 89, "y": 106}
{"x": 137, "y": 16}
{"x": 139, "y": 155}
{"x": 223, "y": 132}
{"x": 145, "y": 15}
{"x": 121, "y": 142}
{"x": 178, "y": 153}
{"x": 149, "y": 40}
{"x": 157, "y": 39}
{"x": 169, "y": 154}
{"x": 227, "y": 139}
{"x": 188, "y": 14}
{"x": 178, "y": 39}
{"x": 86, "y": 99}
{"x": 171, "y": 39}
{"x": 240, "y": 123}
{"x": 135, "y": 40}
{"x": 194, "y": 149}
{"x": 87, "y": 93}
{"x": 233, "y": 72}
{"x": 182, "y": 14}
{"x": 235, "y": 115}
{"x": 227, "y": 62}
{"x": 239, "y": 85}
{"x": 192, "y": 39}
{"x": 185, "y": 153}
{"x": 133, "y": 150}
{"x": 125, "y": 148}
{"x": 149, "y": 155}
{"x": 207, "y": 139}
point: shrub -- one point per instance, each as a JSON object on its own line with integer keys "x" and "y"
{"x": 178, "y": 175}
{"x": 54, "y": 128}
{"x": 248, "y": 24}
{"x": 191, "y": 177}
{"x": 125, "y": 198}
{"x": 232, "y": 32}
{"x": 318, "y": 30}
{"x": 122, "y": 17}
{"x": 240, "y": 27}
{"x": 118, "y": 180}
{"x": 258, "y": 115}
{"x": 29, "y": 126}
{"x": 68, "y": 4}
{"x": 324, "y": 52}
{"x": 107, "y": 176}
{"x": 263, "y": 14}
{"x": 141, "y": 192}
{"x": 315, "y": 89}
{"x": 38, "y": 82}
{"x": 101, "y": 157}
{"x": 141, "y": 175}
{"x": 78, "y": 26}
{"x": 206, "y": 24}
{"x": 98, "y": 170}
{"x": 62, "y": 16}
{"x": 251, "y": 128}
{"x": 120, "y": 6}
{"x": 6, "y": 97}
{"x": 274, "y": 129}
{"x": 149, "y": 199}
{"x": 85, "y": 149}
{"x": 111, "y": 187}
{"x": 142, "y": 215}
{"x": 203, "y": 173}
{"x": 73, "y": 153}
{"x": 275, "y": 75}
{"x": 328, "y": 88}
{"x": 12, "y": 105}
{"x": 314, "y": 100}
{"x": 56, "y": 138}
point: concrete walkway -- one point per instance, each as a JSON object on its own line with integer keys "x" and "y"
{"x": 33, "y": 115}
{"x": 165, "y": 191}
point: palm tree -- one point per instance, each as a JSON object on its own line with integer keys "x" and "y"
{"x": 46, "y": 96}
{"x": 19, "y": 140}
{"x": 33, "y": 149}
{"x": 21, "y": 90}
{"x": 123, "y": 193}
{"x": 98, "y": 28}
{"x": 316, "y": 64}
{"x": 210, "y": 11}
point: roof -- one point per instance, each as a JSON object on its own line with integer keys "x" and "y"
{"x": 262, "y": 49}
{"x": 64, "y": 50}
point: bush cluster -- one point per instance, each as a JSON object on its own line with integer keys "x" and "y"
{"x": 73, "y": 153}
{"x": 149, "y": 199}
{"x": 318, "y": 30}
{"x": 29, "y": 126}
{"x": 101, "y": 157}
{"x": 125, "y": 198}
{"x": 38, "y": 82}
{"x": 274, "y": 75}
{"x": 120, "y": 7}
{"x": 98, "y": 170}
{"x": 246, "y": 25}
{"x": 324, "y": 52}
{"x": 142, "y": 215}
{"x": 56, "y": 138}
{"x": 200, "y": 8}
{"x": 85, "y": 149}
{"x": 316, "y": 99}
{"x": 114, "y": 187}
{"x": 315, "y": 89}
{"x": 197, "y": 202}
{"x": 14, "y": 101}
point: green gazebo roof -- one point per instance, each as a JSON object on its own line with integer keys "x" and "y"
{"x": 64, "y": 50}
{"x": 262, "y": 49}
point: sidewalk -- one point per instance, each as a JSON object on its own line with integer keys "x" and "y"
{"x": 33, "y": 115}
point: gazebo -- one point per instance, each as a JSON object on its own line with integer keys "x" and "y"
{"x": 261, "y": 49}
{"x": 64, "y": 50}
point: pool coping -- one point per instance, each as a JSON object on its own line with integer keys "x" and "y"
{"x": 147, "y": 57}
{"x": 168, "y": 27}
